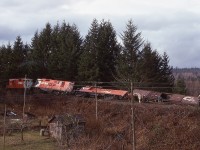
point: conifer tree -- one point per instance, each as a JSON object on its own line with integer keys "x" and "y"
{"x": 70, "y": 48}
{"x": 98, "y": 61}
{"x": 150, "y": 63}
{"x": 167, "y": 73}
{"x": 6, "y": 65}
{"x": 155, "y": 70}
{"x": 108, "y": 51}
{"x": 41, "y": 51}
{"x": 88, "y": 67}
{"x": 54, "y": 62}
{"x": 180, "y": 85}
{"x": 19, "y": 55}
{"x": 130, "y": 53}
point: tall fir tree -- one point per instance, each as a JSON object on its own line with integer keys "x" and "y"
{"x": 150, "y": 63}
{"x": 55, "y": 52}
{"x": 54, "y": 60}
{"x": 98, "y": 61}
{"x": 70, "y": 49}
{"x": 41, "y": 51}
{"x": 130, "y": 53}
{"x": 167, "y": 74}
{"x": 88, "y": 67}
{"x": 19, "y": 56}
{"x": 108, "y": 51}
{"x": 155, "y": 70}
{"x": 6, "y": 65}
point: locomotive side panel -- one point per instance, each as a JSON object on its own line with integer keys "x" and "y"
{"x": 19, "y": 83}
{"x": 54, "y": 85}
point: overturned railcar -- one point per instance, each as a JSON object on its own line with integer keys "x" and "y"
{"x": 149, "y": 96}
{"x": 89, "y": 91}
{"x": 153, "y": 96}
{"x": 191, "y": 100}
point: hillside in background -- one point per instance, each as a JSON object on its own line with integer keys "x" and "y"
{"x": 191, "y": 78}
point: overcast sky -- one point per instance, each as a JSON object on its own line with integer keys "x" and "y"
{"x": 171, "y": 26}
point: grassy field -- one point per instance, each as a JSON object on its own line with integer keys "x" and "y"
{"x": 32, "y": 141}
{"x": 157, "y": 126}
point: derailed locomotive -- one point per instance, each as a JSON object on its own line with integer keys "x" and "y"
{"x": 20, "y": 83}
{"x": 54, "y": 86}
{"x": 46, "y": 85}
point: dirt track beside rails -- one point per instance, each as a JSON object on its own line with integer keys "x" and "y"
{"x": 158, "y": 126}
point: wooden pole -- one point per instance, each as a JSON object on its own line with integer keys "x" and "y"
{"x": 132, "y": 118}
{"x": 96, "y": 100}
{"x": 22, "y": 126}
{"x": 4, "y": 128}
{"x": 24, "y": 97}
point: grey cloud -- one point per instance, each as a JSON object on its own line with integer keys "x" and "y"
{"x": 7, "y": 33}
{"x": 176, "y": 33}
{"x": 41, "y": 3}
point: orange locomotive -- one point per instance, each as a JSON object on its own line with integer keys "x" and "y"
{"x": 47, "y": 85}
{"x": 19, "y": 83}
{"x": 55, "y": 86}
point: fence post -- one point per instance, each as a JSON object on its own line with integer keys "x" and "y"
{"x": 96, "y": 100}
{"x": 132, "y": 118}
{"x": 22, "y": 126}
{"x": 24, "y": 97}
{"x": 4, "y": 128}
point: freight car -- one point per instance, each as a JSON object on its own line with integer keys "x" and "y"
{"x": 89, "y": 91}
{"x": 148, "y": 96}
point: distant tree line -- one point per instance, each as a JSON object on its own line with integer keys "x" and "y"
{"x": 187, "y": 80}
{"x": 60, "y": 52}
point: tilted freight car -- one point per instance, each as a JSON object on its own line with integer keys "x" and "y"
{"x": 89, "y": 91}
{"x": 153, "y": 96}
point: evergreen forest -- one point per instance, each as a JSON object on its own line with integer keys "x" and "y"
{"x": 61, "y": 52}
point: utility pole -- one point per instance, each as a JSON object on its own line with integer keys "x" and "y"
{"x": 96, "y": 100}
{"x": 132, "y": 118}
{"x": 22, "y": 126}
{"x": 25, "y": 84}
{"x": 4, "y": 129}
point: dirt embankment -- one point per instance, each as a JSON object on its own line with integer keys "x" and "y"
{"x": 159, "y": 127}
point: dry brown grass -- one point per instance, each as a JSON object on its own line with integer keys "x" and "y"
{"x": 159, "y": 127}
